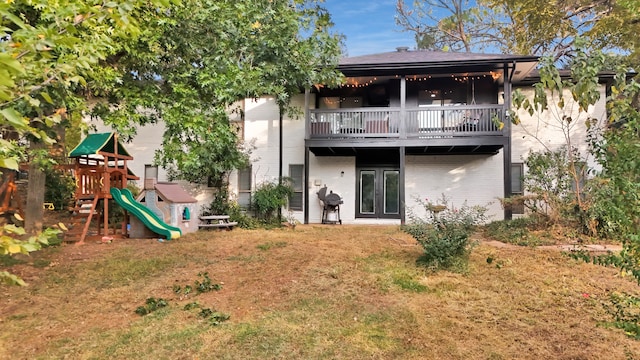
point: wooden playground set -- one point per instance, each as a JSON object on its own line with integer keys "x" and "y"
{"x": 100, "y": 164}
{"x": 101, "y": 175}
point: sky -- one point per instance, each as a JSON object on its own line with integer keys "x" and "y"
{"x": 369, "y": 26}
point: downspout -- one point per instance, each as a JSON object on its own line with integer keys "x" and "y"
{"x": 280, "y": 154}
{"x": 305, "y": 180}
{"x": 403, "y": 157}
{"x": 509, "y": 69}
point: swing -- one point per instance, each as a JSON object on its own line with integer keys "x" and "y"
{"x": 471, "y": 116}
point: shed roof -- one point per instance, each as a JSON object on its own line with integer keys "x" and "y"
{"x": 94, "y": 143}
{"x": 174, "y": 192}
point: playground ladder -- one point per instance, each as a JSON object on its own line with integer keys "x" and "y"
{"x": 82, "y": 215}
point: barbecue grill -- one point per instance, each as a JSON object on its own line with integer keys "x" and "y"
{"x": 330, "y": 206}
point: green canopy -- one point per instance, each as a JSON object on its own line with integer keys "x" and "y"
{"x": 95, "y": 143}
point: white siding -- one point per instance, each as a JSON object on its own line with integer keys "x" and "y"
{"x": 476, "y": 179}
{"x": 545, "y": 130}
{"x": 262, "y": 130}
{"x": 327, "y": 170}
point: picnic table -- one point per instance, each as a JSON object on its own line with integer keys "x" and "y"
{"x": 216, "y": 222}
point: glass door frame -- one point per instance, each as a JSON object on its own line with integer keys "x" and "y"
{"x": 379, "y": 192}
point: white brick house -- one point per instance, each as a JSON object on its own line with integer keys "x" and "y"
{"x": 406, "y": 125}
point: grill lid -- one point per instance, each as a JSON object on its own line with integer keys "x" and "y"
{"x": 333, "y": 199}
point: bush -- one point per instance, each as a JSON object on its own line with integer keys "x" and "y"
{"x": 271, "y": 196}
{"x": 222, "y": 205}
{"x": 518, "y": 231}
{"x": 444, "y": 233}
{"x": 59, "y": 188}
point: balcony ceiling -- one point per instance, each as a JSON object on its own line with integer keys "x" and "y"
{"x": 413, "y": 150}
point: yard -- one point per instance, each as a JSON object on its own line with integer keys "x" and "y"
{"x": 316, "y": 292}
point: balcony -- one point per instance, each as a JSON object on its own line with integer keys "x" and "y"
{"x": 432, "y": 122}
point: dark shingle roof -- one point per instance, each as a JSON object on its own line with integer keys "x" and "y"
{"x": 424, "y": 56}
{"x": 420, "y": 60}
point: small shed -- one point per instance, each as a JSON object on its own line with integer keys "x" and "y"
{"x": 170, "y": 202}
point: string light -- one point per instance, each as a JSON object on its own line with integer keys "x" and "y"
{"x": 462, "y": 78}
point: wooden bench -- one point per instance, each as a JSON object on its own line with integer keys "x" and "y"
{"x": 216, "y": 222}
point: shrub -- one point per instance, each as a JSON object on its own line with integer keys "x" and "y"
{"x": 444, "y": 233}
{"x": 271, "y": 196}
{"x": 59, "y": 188}
{"x": 519, "y": 231}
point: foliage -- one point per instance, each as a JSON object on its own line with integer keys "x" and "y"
{"x": 617, "y": 149}
{"x": 221, "y": 204}
{"x": 215, "y": 318}
{"x": 204, "y": 286}
{"x": 608, "y": 259}
{"x": 444, "y": 233}
{"x": 524, "y": 26}
{"x": 549, "y": 178}
{"x": 625, "y": 310}
{"x": 518, "y": 231}
{"x": 271, "y": 244}
{"x": 60, "y": 188}
{"x": 9, "y": 245}
{"x": 239, "y": 215}
{"x": 456, "y": 25}
{"x": 192, "y": 63}
{"x": 557, "y": 177}
{"x": 49, "y": 52}
{"x": 271, "y": 196}
{"x": 151, "y": 305}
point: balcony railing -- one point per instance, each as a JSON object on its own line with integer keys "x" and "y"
{"x": 423, "y": 122}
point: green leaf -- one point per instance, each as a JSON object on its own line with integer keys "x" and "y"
{"x": 9, "y": 163}
{"x": 14, "y": 118}
{"x": 11, "y": 279}
{"x": 14, "y": 229}
{"x": 11, "y": 63}
{"x": 14, "y": 19}
{"x": 46, "y": 97}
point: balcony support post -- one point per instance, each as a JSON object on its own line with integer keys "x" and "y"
{"x": 506, "y": 151}
{"x": 401, "y": 180}
{"x": 403, "y": 107}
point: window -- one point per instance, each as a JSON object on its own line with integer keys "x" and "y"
{"x": 296, "y": 174}
{"x": 150, "y": 176}
{"x": 517, "y": 186}
{"x": 150, "y": 171}
{"x": 244, "y": 188}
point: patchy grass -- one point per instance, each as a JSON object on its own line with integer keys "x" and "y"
{"x": 315, "y": 292}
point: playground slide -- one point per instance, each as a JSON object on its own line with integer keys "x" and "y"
{"x": 125, "y": 199}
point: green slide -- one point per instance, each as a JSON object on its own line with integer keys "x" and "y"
{"x": 125, "y": 199}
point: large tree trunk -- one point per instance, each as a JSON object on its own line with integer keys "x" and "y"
{"x": 34, "y": 213}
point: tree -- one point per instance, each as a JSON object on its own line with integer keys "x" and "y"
{"x": 191, "y": 64}
{"x": 49, "y": 50}
{"x": 562, "y": 104}
{"x": 551, "y": 28}
{"x": 614, "y": 195}
{"x": 525, "y": 26}
{"x": 618, "y": 188}
{"x": 448, "y": 24}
